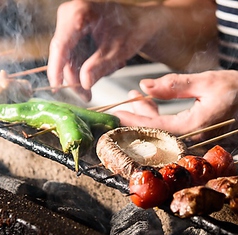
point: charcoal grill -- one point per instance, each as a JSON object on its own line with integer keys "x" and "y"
{"x": 102, "y": 175}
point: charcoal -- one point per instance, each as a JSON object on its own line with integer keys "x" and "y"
{"x": 18, "y": 215}
{"x": 78, "y": 205}
{"x": 20, "y": 187}
{"x": 133, "y": 220}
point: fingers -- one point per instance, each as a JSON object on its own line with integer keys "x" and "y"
{"x": 145, "y": 106}
{"x": 179, "y": 124}
{"x": 98, "y": 65}
{"x": 177, "y": 86}
{"x": 71, "y": 75}
{"x": 69, "y": 29}
{"x": 146, "y": 114}
{"x": 56, "y": 62}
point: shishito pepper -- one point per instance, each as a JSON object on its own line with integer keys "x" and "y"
{"x": 73, "y": 132}
{"x": 92, "y": 118}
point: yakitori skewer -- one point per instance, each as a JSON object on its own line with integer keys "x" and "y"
{"x": 27, "y": 72}
{"x": 213, "y": 127}
{"x": 98, "y": 109}
{"x": 214, "y": 139}
{"x": 56, "y": 87}
{"x": 107, "y": 107}
{"x": 5, "y": 53}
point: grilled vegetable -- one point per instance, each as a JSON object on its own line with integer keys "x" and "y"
{"x": 124, "y": 149}
{"x": 73, "y": 133}
{"x": 200, "y": 169}
{"x": 176, "y": 176}
{"x": 221, "y": 160}
{"x": 91, "y": 118}
{"x": 147, "y": 188}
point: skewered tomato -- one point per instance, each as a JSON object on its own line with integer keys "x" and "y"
{"x": 200, "y": 169}
{"x": 176, "y": 176}
{"x": 147, "y": 188}
{"x": 221, "y": 160}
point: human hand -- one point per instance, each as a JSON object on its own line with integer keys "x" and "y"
{"x": 215, "y": 94}
{"x": 117, "y": 33}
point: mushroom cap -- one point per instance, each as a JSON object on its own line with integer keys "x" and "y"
{"x": 124, "y": 149}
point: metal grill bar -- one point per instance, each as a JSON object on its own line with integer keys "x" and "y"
{"x": 101, "y": 175}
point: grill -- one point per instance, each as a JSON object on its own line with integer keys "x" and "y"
{"x": 123, "y": 220}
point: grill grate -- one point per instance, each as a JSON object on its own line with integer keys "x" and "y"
{"x": 101, "y": 175}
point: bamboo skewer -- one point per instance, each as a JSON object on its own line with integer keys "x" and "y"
{"x": 207, "y": 128}
{"x": 5, "y": 53}
{"x": 98, "y": 109}
{"x": 213, "y": 139}
{"x": 57, "y": 87}
{"x": 38, "y": 133}
{"x": 107, "y": 107}
{"x": 230, "y": 121}
{"x": 27, "y": 72}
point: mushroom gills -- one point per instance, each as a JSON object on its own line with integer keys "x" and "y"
{"x": 144, "y": 152}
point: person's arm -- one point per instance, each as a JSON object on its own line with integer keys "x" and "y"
{"x": 186, "y": 39}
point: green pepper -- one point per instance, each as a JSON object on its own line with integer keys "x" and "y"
{"x": 73, "y": 133}
{"x": 93, "y": 119}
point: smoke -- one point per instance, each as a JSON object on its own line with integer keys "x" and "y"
{"x": 26, "y": 27}
{"x": 204, "y": 60}
{"x": 27, "y": 18}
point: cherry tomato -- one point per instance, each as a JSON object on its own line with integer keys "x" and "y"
{"x": 176, "y": 176}
{"x": 221, "y": 160}
{"x": 200, "y": 169}
{"x": 147, "y": 188}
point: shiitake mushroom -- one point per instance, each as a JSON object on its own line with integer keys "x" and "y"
{"x": 124, "y": 149}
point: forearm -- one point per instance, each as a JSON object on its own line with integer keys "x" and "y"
{"x": 187, "y": 29}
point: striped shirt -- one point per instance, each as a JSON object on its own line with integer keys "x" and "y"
{"x": 227, "y": 15}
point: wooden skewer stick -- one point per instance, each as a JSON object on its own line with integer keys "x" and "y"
{"x": 44, "y": 68}
{"x": 98, "y": 108}
{"x": 38, "y": 70}
{"x": 213, "y": 139}
{"x": 5, "y": 53}
{"x": 107, "y": 107}
{"x": 208, "y": 128}
{"x": 10, "y": 124}
{"x": 38, "y": 133}
{"x": 52, "y": 88}
{"x": 27, "y": 72}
